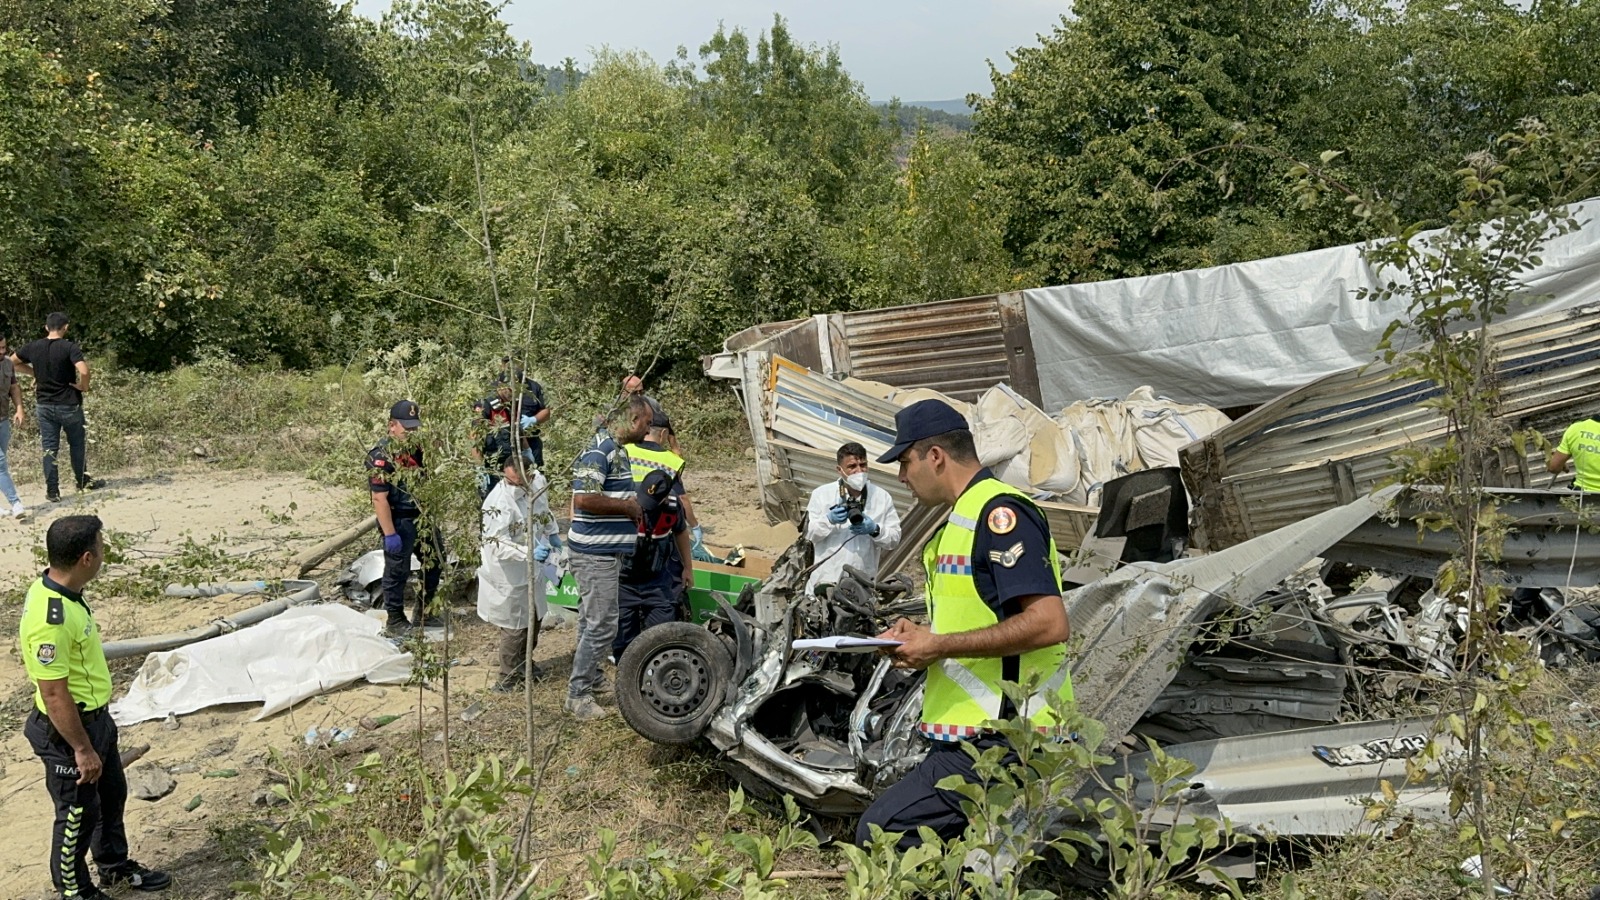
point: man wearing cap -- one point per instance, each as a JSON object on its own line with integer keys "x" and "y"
{"x": 994, "y": 599}
{"x": 605, "y": 526}
{"x": 662, "y": 566}
{"x": 394, "y": 469}
{"x": 70, "y": 727}
{"x": 61, "y": 378}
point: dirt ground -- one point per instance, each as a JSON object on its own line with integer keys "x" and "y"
{"x": 253, "y": 512}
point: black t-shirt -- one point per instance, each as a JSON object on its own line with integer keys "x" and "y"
{"x": 55, "y": 370}
{"x": 1011, "y": 554}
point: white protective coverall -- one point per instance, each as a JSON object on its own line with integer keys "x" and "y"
{"x": 503, "y": 592}
{"x": 835, "y": 547}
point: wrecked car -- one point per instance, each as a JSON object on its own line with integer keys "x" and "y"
{"x": 1240, "y": 660}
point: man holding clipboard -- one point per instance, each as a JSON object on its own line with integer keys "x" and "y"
{"x": 994, "y": 600}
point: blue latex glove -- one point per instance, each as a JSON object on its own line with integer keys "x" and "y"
{"x": 541, "y": 552}
{"x": 699, "y": 534}
{"x": 838, "y": 514}
{"x": 529, "y": 423}
{"x": 865, "y": 526}
{"x": 392, "y": 544}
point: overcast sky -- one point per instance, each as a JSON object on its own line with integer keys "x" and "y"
{"x": 911, "y": 49}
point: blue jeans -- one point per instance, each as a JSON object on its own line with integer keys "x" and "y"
{"x": 54, "y": 419}
{"x": 7, "y": 487}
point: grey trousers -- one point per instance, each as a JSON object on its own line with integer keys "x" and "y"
{"x": 513, "y": 650}
{"x": 597, "y": 578}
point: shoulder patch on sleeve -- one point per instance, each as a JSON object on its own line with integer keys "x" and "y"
{"x": 1002, "y": 519}
{"x": 55, "y": 612}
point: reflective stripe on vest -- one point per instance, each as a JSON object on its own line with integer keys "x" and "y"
{"x": 963, "y": 694}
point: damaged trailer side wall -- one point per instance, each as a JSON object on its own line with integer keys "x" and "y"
{"x": 1333, "y": 440}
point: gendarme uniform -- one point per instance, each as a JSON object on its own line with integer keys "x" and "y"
{"x": 645, "y": 596}
{"x": 962, "y": 694}
{"x": 60, "y": 639}
{"x": 993, "y": 550}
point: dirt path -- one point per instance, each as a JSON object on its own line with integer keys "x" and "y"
{"x": 261, "y": 520}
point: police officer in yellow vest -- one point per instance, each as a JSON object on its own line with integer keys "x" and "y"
{"x": 647, "y": 592}
{"x": 994, "y": 597}
{"x": 70, "y": 727}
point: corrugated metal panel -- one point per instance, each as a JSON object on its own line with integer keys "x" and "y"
{"x": 1308, "y": 450}
{"x": 958, "y": 347}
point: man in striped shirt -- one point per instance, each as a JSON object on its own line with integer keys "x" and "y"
{"x": 605, "y": 528}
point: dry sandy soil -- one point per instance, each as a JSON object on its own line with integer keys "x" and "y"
{"x": 252, "y": 511}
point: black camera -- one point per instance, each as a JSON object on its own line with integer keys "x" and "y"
{"x": 855, "y": 507}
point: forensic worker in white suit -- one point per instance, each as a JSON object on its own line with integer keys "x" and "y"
{"x": 849, "y": 522}
{"x": 505, "y": 595}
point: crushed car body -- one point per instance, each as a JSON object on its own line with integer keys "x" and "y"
{"x": 1239, "y": 660}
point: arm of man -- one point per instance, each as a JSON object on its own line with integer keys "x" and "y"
{"x": 817, "y": 524}
{"x": 82, "y": 384}
{"x": 63, "y": 713}
{"x": 1041, "y": 622}
{"x": 601, "y": 505}
{"x": 21, "y": 364}
{"x": 588, "y": 482}
{"x": 888, "y": 520}
{"x": 16, "y": 401}
{"x": 1557, "y": 463}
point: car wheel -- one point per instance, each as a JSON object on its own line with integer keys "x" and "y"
{"x": 672, "y": 680}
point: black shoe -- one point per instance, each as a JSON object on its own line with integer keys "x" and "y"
{"x": 52, "y": 496}
{"x": 509, "y": 684}
{"x": 135, "y": 876}
{"x": 90, "y": 483}
{"x": 398, "y": 626}
{"x": 92, "y": 893}
{"x": 431, "y": 622}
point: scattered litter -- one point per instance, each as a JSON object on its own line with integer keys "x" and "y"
{"x": 572, "y": 771}
{"x": 464, "y": 661}
{"x": 472, "y": 712}
{"x": 268, "y": 797}
{"x": 171, "y": 724}
{"x": 349, "y": 787}
{"x": 221, "y": 746}
{"x": 193, "y": 804}
{"x": 222, "y": 773}
{"x": 329, "y": 735}
{"x": 373, "y": 723}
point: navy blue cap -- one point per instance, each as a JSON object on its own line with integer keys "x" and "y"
{"x": 922, "y": 419}
{"x": 405, "y": 412}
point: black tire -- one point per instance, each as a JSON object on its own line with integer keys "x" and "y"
{"x": 672, "y": 680}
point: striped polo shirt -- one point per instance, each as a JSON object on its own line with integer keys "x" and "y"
{"x": 602, "y": 469}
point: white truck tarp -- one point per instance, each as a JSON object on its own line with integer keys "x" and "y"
{"x": 1242, "y": 334}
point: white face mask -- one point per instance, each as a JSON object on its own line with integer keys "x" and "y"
{"x": 856, "y": 481}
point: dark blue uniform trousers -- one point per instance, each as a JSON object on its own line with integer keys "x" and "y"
{"x": 88, "y": 816}
{"x": 914, "y": 800}
{"x": 643, "y": 606}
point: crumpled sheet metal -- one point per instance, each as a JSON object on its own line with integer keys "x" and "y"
{"x": 1132, "y": 628}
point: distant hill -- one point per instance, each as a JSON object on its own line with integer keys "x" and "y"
{"x": 951, "y": 114}
{"x": 956, "y": 107}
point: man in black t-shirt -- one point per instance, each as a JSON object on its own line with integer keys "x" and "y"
{"x": 60, "y": 379}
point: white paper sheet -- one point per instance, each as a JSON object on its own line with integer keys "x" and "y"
{"x": 843, "y": 644}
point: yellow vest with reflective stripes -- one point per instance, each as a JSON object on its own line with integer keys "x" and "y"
{"x": 644, "y": 461}
{"x": 962, "y": 694}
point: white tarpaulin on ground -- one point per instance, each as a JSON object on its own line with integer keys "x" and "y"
{"x": 298, "y": 654}
{"x": 1242, "y": 334}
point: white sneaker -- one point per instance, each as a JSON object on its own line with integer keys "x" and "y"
{"x": 17, "y": 509}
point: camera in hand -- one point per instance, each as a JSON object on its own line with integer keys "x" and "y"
{"x": 855, "y": 507}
